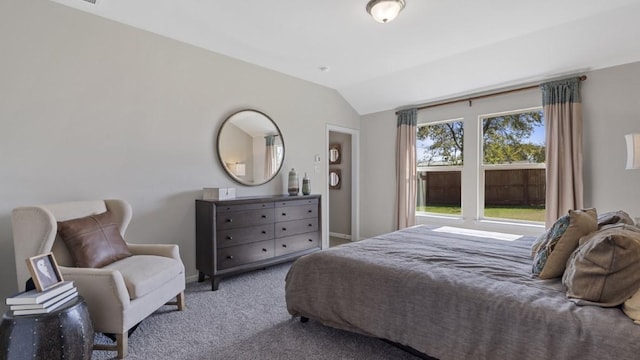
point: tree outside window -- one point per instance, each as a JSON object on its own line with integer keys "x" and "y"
{"x": 512, "y": 166}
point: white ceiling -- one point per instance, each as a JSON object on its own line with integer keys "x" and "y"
{"x": 434, "y": 50}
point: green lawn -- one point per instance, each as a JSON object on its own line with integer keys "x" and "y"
{"x": 501, "y": 212}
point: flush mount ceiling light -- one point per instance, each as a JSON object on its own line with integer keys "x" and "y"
{"x": 384, "y": 11}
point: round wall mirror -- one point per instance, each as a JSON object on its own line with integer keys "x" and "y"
{"x": 335, "y": 180}
{"x": 250, "y": 147}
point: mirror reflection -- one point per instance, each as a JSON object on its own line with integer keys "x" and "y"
{"x": 250, "y": 147}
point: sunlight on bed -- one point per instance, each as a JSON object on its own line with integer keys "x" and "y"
{"x": 479, "y": 233}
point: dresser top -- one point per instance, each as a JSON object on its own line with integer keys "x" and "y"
{"x": 261, "y": 199}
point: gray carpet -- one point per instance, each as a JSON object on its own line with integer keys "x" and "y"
{"x": 245, "y": 319}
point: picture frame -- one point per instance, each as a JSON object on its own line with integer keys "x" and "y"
{"x": 44, "y": 271}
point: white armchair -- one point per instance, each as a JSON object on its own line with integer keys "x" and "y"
{"x": 118, "y": 295}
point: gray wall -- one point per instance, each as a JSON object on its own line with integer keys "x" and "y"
{"x": 340, "y": 199}
{"x": 92, "y": 109}
{"x": 610, "y": 107}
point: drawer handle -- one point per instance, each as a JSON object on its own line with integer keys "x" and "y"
{"x": 230, "y": 257}
{"x": 310, "y": 224}
{"x": 264, "y": 232}
{"x": 265, "y": 250}
{"x": 229, "y": 220}
{"x": 284, "y": 229}
{"x": 310, "y": 240}
{"x": 284, "y": 214}
{"x": 229, "y": 237}
{"x": 264, "y": 216}
{"x": 309, "y": 211}
{"x": 284, "y": 245}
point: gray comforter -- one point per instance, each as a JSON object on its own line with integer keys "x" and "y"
{"x": 454, "y": 297}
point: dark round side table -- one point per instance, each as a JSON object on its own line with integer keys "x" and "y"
{"x": 65, "y": 333}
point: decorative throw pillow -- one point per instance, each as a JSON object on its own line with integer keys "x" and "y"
{"x": 535, "y": 247}
{"x": 614, "y": 217}
{"x": 561, "y": 240}
{"x": 631, "y": 307}
{"x": 93, "y": 241}
{"x": 605, "y": 269}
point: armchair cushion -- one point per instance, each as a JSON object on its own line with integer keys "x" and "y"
{"x": 93, "y": 241}
{"x": 144, "y": 273}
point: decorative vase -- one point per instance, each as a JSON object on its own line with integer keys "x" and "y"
{"x": 306, "y": 185}
{"x": 294, "y": 185}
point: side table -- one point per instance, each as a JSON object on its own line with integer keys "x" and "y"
{"x": 65, "y": 333}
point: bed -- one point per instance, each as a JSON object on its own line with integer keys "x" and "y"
{"x": 453, "y": 295}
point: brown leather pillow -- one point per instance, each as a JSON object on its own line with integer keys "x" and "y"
{"x": 93, "y": 241}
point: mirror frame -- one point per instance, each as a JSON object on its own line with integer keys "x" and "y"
{"x": 221, "y": 161}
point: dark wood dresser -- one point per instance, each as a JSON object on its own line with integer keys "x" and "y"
{"x": 248, "y": 233}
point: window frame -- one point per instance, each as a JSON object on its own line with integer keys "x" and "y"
{"x": 482, "y": 167}
{"x": 442, "y": 168}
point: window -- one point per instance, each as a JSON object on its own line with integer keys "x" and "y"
{"x": 513, "y": 165}
{"x": 439, "y": 168}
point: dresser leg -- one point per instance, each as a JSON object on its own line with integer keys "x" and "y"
{"x": 215, "y": 281}
{"x": 200, "y": 276}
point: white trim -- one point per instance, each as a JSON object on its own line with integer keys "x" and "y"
{"x": 355, "y": 179}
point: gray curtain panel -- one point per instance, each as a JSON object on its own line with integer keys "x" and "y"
{"x": 563, "y": 122}
{"x": 406, "y": 168}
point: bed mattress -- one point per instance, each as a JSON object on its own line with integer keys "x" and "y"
{"x": 454, "y": 296}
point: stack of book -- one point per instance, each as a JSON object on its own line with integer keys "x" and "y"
{"x": 42, "y": 302}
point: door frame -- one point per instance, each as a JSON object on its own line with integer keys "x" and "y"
{"x": 355, "y": 176}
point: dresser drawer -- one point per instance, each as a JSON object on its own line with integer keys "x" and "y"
{"x": 236, "y": 219}
{"x": 238, "y": 236}
{"x": 288, "y": 213}
{"x": 299, "y": 242}
{"x": 243, "y": 207}
{"x": 244, "y": 254}
{"x": 289, "y": 228}
{"x": 284, "y": 203}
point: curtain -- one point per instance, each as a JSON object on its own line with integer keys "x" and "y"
{"x": 271, "y": 157}
{"x": 563, "y": 123}
{"x": 406, "y": 168}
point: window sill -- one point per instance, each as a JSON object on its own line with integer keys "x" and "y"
{"x": 496, "y": 225}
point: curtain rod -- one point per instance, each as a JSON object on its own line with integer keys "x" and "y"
{"x": 471, "y": 98}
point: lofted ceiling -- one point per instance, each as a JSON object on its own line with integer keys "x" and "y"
{"x": 435, "y": 49}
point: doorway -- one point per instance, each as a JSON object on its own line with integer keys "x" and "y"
{"x": 342, "y": 188}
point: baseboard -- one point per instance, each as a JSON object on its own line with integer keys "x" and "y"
{"x": 341, "y": 236}
{"x": 192, "y": 278}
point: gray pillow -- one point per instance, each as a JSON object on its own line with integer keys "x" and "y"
{"x": 605, "y": 269}
{"x": 614, "y": 217}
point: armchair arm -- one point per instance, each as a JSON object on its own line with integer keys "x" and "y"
{"x": 166, "y": 250}
{"x": 103, "y": 289}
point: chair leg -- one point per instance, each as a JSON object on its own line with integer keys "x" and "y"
{"x": 122, "y": 344}
{"x": 180, "y": 301}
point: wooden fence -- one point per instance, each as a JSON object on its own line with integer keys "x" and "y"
{"x": 518, "y": 187}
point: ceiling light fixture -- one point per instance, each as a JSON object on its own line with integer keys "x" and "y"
{"x": 384, "y": 11}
